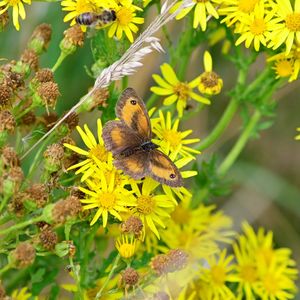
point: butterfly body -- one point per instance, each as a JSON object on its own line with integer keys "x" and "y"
{"x": 129, "y": 140}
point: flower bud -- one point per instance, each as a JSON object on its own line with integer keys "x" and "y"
{"x": 31, "y": 59}
{"x": 133, "y": 225}
{"x": 38, "y": 194}
{"x": 11, "y": 181}
{"x": 210, "y": 83}
{"x": 65, "y": 248}
{"x": 73, "y": 37}
{"x": 40, "y": 38}
{"x": 46, "y": 94}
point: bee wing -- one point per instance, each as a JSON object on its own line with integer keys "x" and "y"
{"x": 118, "y": 137}
{"x": 132, "y": 111}
{"x": 162, "y": 169}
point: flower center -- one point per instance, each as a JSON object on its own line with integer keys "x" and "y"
{"x": 124, "y": 16}
{"x": 182, "y": 90}
{"x": 100, "y": 152}
{"x": 218, "y": 275}
{"x": 173, "y": 137}
{"x": 248, "y": 273}
{"x": 292, "y": 22}
{"x": 283, "y": 68}
{"x": 247, "y": 6}
{"x": 270, "y": 283}
{"x": 13, "y": 2}
{"x": 209, "y": 79}
{"x": 180, "y": 215}
{"x": 145, "y": 205}
{"x": 107, "y": 200}
{"x": 258, "y": 27}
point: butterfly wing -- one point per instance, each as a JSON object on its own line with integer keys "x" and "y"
{"x": 118, "y": 138}
{"x": 132, "y": 111}
{"x": 135, "y": 165}
{"x": 162, "y": 169}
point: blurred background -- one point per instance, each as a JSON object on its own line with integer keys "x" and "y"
{"x": 265, "y": 180}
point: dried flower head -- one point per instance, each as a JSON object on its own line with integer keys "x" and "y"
{"x": 23, "y": 255}
{"x": 9, "y": 157}
{"x": 48, "y": 239}
{"x": 53, "y": 157}
{"x": 28, "y": 119}
{"x": 49, "y": 120}
{"x": 44, "y": 75}
{"x": 17, "y": 204}
{"x": 38, "y": 193}
{"x": 30, "y": 58}
{"x": 160, "y": 264}
{"x": 65, "y": 209}
{"x": 74, "y": 35}
{"x": 12, "y": 79}
{"x": 5, "y": 95}
{"x": 178, "y": 260}
{"x": 49, "y": 92}
{"x": 132, "y": 225}
{"x": 72, "y": 120}
{"x": 40, "y": 38}
{"x": 97, "y": 99}
{"x": 130, "y": 277}
{"x": 7, "y": 121}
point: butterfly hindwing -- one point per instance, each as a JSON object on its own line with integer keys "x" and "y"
{"x": 118, "y": 137}
{"x": 162, "y": 169}
{"x": 132, "y": 111}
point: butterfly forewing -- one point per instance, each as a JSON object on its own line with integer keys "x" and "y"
{"x": 132, "y": 111}
{"x": 162, "y": 169}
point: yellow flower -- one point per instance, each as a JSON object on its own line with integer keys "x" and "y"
{"x": 287, "y": 27}
{"x": 107, "y": 197}
{"x": 216, "y": 275}
{"x": 18, "y": 9}
{"x": 21, "y": 294}
{"x": 96, "y": 155}
{"x": 151, "y": 209}
{"x": 126, "y": 246}
{"x": 176, "y": 90}
{"x": 170, "y": 139}
{"x": 210, "y": 82}
{"x": 125, "y": 20}
{"x": 202, "y": 9}
{"x": 297, "y": 137}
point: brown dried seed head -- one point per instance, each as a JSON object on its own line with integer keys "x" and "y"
{"x": 74, "y": 35}
{"x": 16, "y": 175}
{"x": 67, "y": 140}
{"x": 10, "y": 157}
{"x": 132, "y": 225}
{"x": 7, "y": 121}
{"x": 44, "y": 75}
{"x": 49, "y": 120}
{"x": 14, "y": 80}
{"x": 48, "y": 239}
{"x": 17, "y": 204}
{"x": 28, "y": 119}
{"x": 30, "y": 58}
{"x": 178, "y": 260}
{"x": 43, "y": 33}
{"x": 24, "y": 255}
{"x": 160, "y": 264}
{"x": 5, "y": 95}
{"x": 38, "y": 193}
{"x": 54, "y": 152}
{"x": 72, "y": 120}
{"x": 130, "y": 277}
{"x": 100, "y": 97}
{"x": 49, "y": 92}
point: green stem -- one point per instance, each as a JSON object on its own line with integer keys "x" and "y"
{"x": 21, "y": 225}
{"x": 114, "y": 266}
{"x": 152, "y": 100}
{"x": 240, "y": 144}
{"x": 5, "y": 218}
{"x": 5, "y": 268}
{"x": 60, "y": 59}
{"x": 124, "y": 82}
{"x": 4, "y": 202}
{"x": 24, "y": 112}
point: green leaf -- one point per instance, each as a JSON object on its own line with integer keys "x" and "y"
{"x": 38, "y": 275}
{"x": 46, "y": 280}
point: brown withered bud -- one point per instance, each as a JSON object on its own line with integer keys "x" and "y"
{"x": 30, "y": 58}
{"x": 100, "y": 97}
{"x": 28, "y": 119}
{"x": 48, "y": 239}
{"x": 74, "y": 35}
{"x": 9, "y": 157}
{"x": 44, "y": 75}
{"x": 4, "y": 20}
{"x": 17, "y": 204}
{"x": 132, "y": 225}
{"x": 130, "y": 277}
{"x": 5, "y": 96}
{"x": 15, "y": 177}
{"x": 42, "y": 225}
{"x": 38, "y": 193}
{"x": 160, "y": 264}
{"x": 49, "y": 120}
{"x": 49, "y": 92}
{"x": 14, "y": 80}
{"x": 65, "y": 209}
{"x": 40, "y": 38}
{"x": 23, "y": 255}
{"x": 53, "y": 157}
{"x": 178, "y": 260}
{"x": 72, "y": 120}
{"x": 161, "y": 296}
{"x": 7, "y": 121}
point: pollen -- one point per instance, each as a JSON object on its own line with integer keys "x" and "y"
{"x": 124, "y": 16}
{"x": 292, "y": 22}
{"x": 257, "y": 27}
{"x": 100, "y": 152}
{"x": 247, "y": 6}
{"x": 218, "y": 275}
{"x": 173, "y": 137}
{"x": 107, "y": 200}
{"x": 145, "y": 205}
{"x": 182, "y": 89}
{"x": 248, "y": 273}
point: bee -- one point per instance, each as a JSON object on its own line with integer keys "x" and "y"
{"x": 100, "y": 19}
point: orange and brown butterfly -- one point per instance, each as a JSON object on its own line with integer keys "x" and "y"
{"x": 129, "y": 140}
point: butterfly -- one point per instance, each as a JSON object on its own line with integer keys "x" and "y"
{"x": 129, "y": 140}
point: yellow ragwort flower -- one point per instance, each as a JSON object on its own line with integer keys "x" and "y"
{"x": 297, "y": 137}
{"x": 107, "y": 197}
{"x": 18, "y": 9}
{"x": 151, "y": 208}
{"x": 95, "y": 155}
{"x": 176, "y": 90}
{"x": 126, "y": 246}
{"x": 210, "y": 83}
{"x": 21, "y": 294}
{"x": 169, "y": 138}
{"x": 201, "y": 10}
{"x": 125, "y": 20}
{"x": 287, "y": 28}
